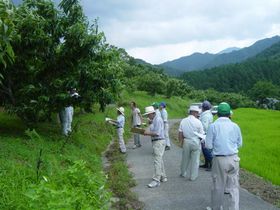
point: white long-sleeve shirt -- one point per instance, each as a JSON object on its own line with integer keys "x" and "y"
{"x": 224, "y": 137}
{"x": 206, "y": 119}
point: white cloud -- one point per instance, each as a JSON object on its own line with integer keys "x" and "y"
{"x": 160, "y": 30}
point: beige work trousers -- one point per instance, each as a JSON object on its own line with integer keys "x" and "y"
{"x": 120, "y": 132}
{"x": 159, "y": 148}
{"x": 225, "y": 175}
{"x": 190, "y": 158}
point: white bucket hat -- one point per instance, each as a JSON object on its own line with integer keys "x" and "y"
{"x": 121, "y": 110}
{"x": 149, "y": 110}
{"x": 194, "y": 109}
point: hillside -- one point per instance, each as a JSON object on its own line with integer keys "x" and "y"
{"x": 187, "y": 63}
{"x": 198, "y": 61}
{"x": 239, "y": 77}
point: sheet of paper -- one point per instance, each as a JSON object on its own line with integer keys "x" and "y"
{"x": 202, "y": 136}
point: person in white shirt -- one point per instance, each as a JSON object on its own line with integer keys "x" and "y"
{"x": 66, "y": 114}
{"x": 224, "y": 138}
{"x": 119, "y": 123}
{"x": 164, "y": 116}
{"x": 136, "y": 121}
{"x": 158, "y": 141}
{"x": 206, "y": 119}
{"x": 190, "y": 143}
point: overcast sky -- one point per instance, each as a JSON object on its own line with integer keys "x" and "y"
{"x": 162, "y": 30}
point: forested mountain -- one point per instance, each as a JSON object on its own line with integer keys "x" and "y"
{"x": 242, "y": 54}
{"x": 229, "y": 50}
{"x": 198, "y": 61}
{"x": 187, "y": 63}
{"x": 239, "y": 77}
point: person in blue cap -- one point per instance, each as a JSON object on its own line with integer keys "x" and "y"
{"x": 164, "y": 116}
{"x": 224, "y": 138}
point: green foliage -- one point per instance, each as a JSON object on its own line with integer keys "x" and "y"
{"x": 262, "y": 90}
{"x": 56, "y": 49}
{"x": 74, "y": 175}
{"x": 234, "y": 99}
{"x": 6, "y": 33}
{"x": 239, "y": 77}
{"x": 260, "y": 151}
{"x": 76, "y": 188}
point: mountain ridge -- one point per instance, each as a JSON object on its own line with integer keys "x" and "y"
{"x": 201, "y": 61}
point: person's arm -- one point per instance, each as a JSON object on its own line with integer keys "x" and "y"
{"x": 239, "y": 140}
{"x": 150, "y": 133}
{"x": 181, "y": 138}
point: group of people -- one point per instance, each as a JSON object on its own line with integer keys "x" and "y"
{"x": 137, "y": 121}
{"x": 219, "y": 142}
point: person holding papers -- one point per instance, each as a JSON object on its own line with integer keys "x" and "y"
{"x": 190, "y": 143}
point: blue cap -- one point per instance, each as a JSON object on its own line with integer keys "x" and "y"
{"x": 206, "y": 105}
{"x": 163, "y": 104}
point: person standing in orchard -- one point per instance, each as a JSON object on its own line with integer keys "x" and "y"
{"x": 224, "y": 138}
{"x": 119, "y": 123}
{"x": 156, "y": 132}
{"x": 136, "y": 121}
{"x": 190, "y": 143}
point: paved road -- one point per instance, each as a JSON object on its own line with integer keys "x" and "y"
{"x": 177, "y": 193}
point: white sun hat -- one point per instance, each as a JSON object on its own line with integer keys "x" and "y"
{"x": 121, "y": 110}
{"x": 194, "y": 109}
{"x": 149, "y": 110}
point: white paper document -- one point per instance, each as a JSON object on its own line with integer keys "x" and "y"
{"x": 202, "y": 136}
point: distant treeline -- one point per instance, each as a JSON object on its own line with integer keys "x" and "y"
{"x": 241, "y": 77}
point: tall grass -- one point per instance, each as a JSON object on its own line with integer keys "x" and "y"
{"x": 176, "y": 106}
{"x": 43, "y": 170}
{"x": 261, "y": 142}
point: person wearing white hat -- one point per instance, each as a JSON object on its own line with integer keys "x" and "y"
{"x": 190, "y": 143}
{"x": 119, "y": 123}
{"x": 66, "y": 114}
{"x": 158, "y": 141}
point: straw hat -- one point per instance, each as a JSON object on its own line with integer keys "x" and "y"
{"x": 149, "y": 110}
{"x": 121, "y": 110}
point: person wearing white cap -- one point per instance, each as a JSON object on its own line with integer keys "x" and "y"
{"x": 66, "y": 114}
{"x": 158, "y": 141}
{"x": 190, "y": 143}
{"x": 120, "y": 122}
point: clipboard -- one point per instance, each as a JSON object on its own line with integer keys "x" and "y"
{"x": 138, "y": 130}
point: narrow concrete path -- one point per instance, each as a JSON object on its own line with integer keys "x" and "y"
{"x": 177, "y": 193}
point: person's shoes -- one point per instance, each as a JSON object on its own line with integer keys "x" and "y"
{"x": 226, "y": 193}
{"x": 203, "y": 166}
{"x": 163, "y": 179}
{"x": 208, "y": 208}
{"x": 136, "y": 145}
{"x": 123, "y": 152}
{"x": 182, "y": 176}
{"x": 154, "y": 184}
{"x": 167, "y": 148}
